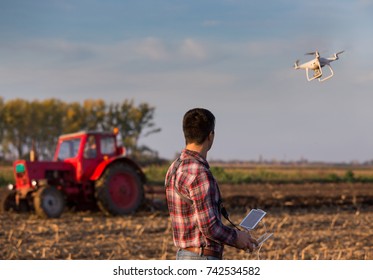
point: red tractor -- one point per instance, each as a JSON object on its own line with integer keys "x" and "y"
{"x": 89, "y": 169}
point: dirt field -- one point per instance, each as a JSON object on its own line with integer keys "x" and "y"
{"x": 309, "y": 222}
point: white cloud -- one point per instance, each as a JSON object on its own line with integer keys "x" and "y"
{"x": 146, "y": 64}
{"x": 152, "y": 48}
{"x": 193, "y": 49}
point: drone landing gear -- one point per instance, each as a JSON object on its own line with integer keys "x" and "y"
{"x": 331, "y": 74}
{"x": 317, "y": 73}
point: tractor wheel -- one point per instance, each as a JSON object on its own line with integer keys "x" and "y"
{"x": 119, "y": 191}
{"x": 49, "y": 202}
{"x": 8, "y": 201}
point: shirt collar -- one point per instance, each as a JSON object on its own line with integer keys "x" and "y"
{"x": 192, "y": 154}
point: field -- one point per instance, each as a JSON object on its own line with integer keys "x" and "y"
{"x": 309, "y": 221}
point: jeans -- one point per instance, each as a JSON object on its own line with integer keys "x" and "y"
{"x": 186, "y": 255}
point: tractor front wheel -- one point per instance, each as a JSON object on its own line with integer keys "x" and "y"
{"x": 119, "y": 191}
{"x": 8, "y": 201}
{"x": 48, "y": 202}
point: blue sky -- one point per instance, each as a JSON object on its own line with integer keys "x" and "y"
{"x": 233, "y": 57}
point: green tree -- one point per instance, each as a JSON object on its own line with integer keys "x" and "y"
{"x": 25, "y": 124}
{"x": 94, "y": 112}
{"x": 1, "y": 118}
{"x": 142, "y": 126}
{"x": 74, "y": 118}
{"x": 49, "y": 114}
{"x": 1, "y": 125}
{"x": 17, "y": 123}
{"x": 133, "y": 123}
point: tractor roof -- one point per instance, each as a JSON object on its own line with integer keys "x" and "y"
{"x": 85, "y": 132}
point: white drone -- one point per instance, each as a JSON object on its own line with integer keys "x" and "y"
{"x": 316, "y": 64}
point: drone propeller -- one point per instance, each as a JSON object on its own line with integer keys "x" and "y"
{"x": 296, "y": 64}
{"x": 316, "y": 53}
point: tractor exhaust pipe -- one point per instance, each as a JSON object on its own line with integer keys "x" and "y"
{"x": 33, "y": 153}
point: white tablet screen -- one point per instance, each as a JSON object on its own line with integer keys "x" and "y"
{"x": 252, "y": 219}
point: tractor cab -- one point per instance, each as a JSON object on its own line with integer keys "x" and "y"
{"x": 86, "y": 150}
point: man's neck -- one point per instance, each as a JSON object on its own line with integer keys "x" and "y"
{"x": 201, "y": 149}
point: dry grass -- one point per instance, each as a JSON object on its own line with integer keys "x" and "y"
{"x": 84, "y": 235}
{"x": 338, "y": 227}
{"x": 325, "y": 234}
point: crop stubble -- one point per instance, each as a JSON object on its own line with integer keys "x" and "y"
{"x": 309, "y": 222}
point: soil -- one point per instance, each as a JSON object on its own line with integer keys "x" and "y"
{"x": 311, "y": 221}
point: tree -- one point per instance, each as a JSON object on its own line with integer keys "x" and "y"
{"x": 135, "y": 122}
{"x": 143, "y": 125}
{"x": 1, "y": 125}
{"x": 94, "y": 112}
{"x": 49, "y": 115}
{"x": 74, "y": 118}
{"x": 17, "y": 123}
{"x": 25, "y": 124}
{"x": 1, "y": 119}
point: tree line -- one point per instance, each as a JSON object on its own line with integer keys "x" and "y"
{"x": 25, "y": 124}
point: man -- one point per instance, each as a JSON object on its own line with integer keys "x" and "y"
{"x": 194, "y": 199}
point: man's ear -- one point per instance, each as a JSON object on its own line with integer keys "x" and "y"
{"x": 211, "y": 135}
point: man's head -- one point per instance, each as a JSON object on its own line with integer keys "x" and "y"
{"x": 198, "y": 125}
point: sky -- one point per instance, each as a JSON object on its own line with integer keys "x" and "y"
{"x": 233, "y": 57}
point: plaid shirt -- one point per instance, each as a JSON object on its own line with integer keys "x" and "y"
{"x": 194, "y": 208}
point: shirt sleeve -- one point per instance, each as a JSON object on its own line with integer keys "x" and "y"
{"x": 205, "y": 195}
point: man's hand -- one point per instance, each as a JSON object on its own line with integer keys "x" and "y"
{"x": 245, "y": 241}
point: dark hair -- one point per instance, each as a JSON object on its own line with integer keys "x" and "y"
{"x": 197, "y": 125}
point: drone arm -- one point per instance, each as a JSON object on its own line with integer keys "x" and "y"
{"x": 335, "y": 56}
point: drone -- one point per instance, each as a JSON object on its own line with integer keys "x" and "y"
{"x": 316, "y": 64}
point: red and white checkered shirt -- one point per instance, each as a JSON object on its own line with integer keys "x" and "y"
{"x": 195, "y": 207}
